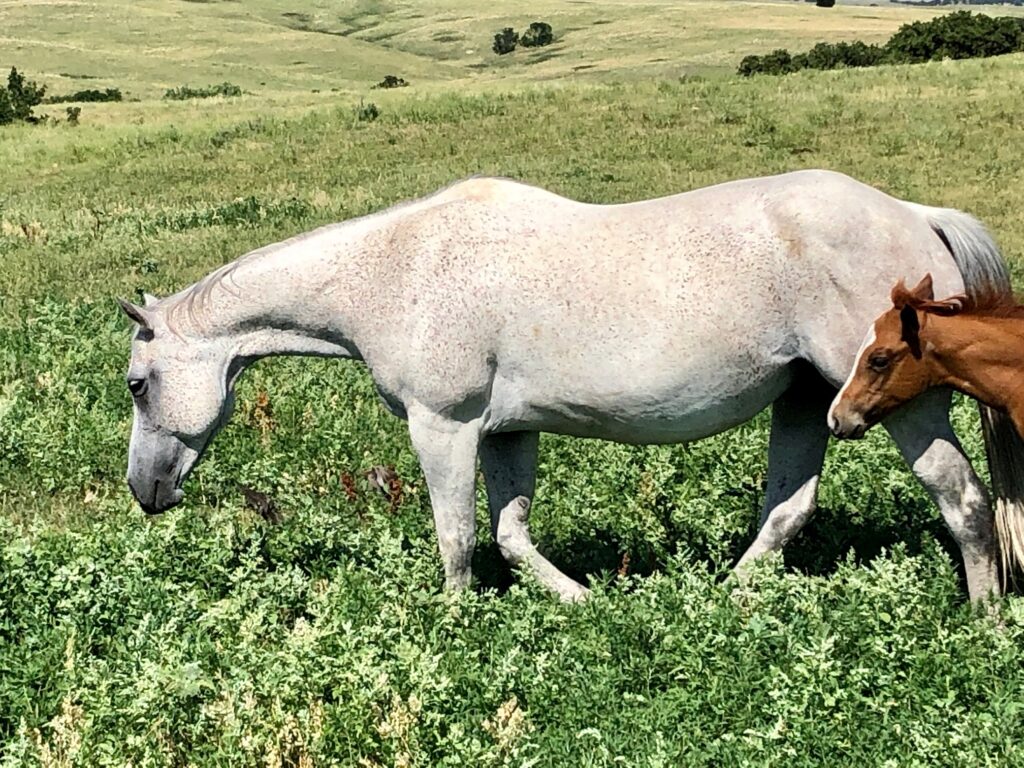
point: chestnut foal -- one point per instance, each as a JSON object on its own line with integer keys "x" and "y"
{"x": 974, "y": 347}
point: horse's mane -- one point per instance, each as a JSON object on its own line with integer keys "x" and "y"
{"x": 192, "y": 302}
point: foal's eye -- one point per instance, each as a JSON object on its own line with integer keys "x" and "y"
{"x": 878, "y": 362}
{"x": 138, "y": 387}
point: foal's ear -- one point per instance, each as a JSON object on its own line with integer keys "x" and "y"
{"x": 137, "y": 314}
{"x": 924, "y": 291}
{"x": 902, "y": 296}
{"x": 911, "y": 329}
{"x": 150, "y": 300}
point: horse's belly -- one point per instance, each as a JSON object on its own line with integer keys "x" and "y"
{"x": 638, "y": 414}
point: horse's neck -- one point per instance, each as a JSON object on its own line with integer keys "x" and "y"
{"x": 306, "y": 296}
{"x": 981, "y": 356}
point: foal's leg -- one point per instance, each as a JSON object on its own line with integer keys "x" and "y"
{"x": 928, "y": 443}
{"x": 447, "y": 451}
{"x": 509, "y": 464}
{"x": 796, "y": 451}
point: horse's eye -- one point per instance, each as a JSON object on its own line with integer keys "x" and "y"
{"x": 138, "y": 387}
{"x": 878, "y": 362}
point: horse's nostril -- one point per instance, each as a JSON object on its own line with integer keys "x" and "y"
{"x": 149, "y": 509}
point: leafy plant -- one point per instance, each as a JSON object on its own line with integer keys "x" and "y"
{"x": 958, "y": 35}
{"x": 539, "y": 33}
{"x": 505, "y": 41}
{"x": 392, "y": 81}
{"x": 367, "y": 113}
{"x": 88, "y": 95}
{"x": 187, "y": 92}
{"x": 18, "y": 98}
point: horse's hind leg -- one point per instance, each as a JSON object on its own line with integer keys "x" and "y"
{"x": 509, "y": 464}
{"x": 923, "y": 433}
{"x": 796, "y": 451}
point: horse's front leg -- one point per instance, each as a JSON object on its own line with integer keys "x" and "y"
{"x": 509, "y": 464}
{"x": 447, "y": 450}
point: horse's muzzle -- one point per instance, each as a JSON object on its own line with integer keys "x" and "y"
{"x": 158, "y": 502}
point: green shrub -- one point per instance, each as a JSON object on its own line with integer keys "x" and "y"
{"x": 90, "y": 94}
{"x": 537, "y": 35}
{"x": 18, "y": 98}
{"x": 834, "y": 55}
{"x": 959, "y": 35}
{"x": 73, "y": 114}
{"x": 367, "y": 113}
{"x": 187, "y": 92}
{"x": 392, "y": 81}
{"x": 505, "y": 41}
{"x": 778, "y": 62}
{"x": 824, "y": 3}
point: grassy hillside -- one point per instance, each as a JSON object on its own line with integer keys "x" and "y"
{"x": 147, "y": 46}
{"x": 213, "y": 636}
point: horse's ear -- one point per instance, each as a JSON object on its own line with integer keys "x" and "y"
{"x": 911, "y": 329}
{"x": 150, "y": 300}
{"x": 137, "y": 314}
{"x": 924, "y": 291}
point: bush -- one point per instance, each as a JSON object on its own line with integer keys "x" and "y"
{"x": 90, "y": 94}
{"x": 825, "y": 3}
{"x": 537, "y": 35}
{"x": 505, "y": 41}
{"x": 392, "y": 81}
{"x": 18, "y": 98}
{"x": 959, "y": 35}
{"x": 367, "y": 113}
{"x": 833, "y": 55}
{"x": 187, "y": 92}
{"x": 73, "y": 114}
{"x": 778, "y": 62}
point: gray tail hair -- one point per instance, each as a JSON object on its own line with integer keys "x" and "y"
{"x": 986, "y": 277}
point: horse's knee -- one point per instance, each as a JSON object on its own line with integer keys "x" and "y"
{"x": 511, "y": 530}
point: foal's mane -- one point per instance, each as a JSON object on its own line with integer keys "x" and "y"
{"x": 989, "y": 304}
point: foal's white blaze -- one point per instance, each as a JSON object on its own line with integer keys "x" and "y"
{"x": 869, "y": 338}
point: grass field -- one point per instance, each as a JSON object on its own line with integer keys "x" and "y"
{"x": 147, "y": 46}
{"x": 211, "y": 636}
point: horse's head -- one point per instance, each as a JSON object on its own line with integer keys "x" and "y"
{"x": 892, "y": 366}
{"x": 182, "y": 392}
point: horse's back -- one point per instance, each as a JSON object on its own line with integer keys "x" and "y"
{"x": 661, "y": 319}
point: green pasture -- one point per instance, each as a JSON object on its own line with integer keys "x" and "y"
{"x": 319, "y": 635}
{"x": 147, "y": 46}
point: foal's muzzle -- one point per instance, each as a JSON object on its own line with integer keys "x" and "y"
{"x": 846, "y": 426}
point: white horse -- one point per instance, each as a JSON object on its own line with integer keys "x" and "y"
{"x": 492, "y": 311}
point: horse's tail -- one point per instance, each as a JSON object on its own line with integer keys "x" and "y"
{"x": 986, "y": 277}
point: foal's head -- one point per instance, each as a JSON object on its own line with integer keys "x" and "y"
{"x": 182, "y": 392}
{"x": 893, "y": 364}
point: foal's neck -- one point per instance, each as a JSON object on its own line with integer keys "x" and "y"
{"x": 981, "y": 356}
